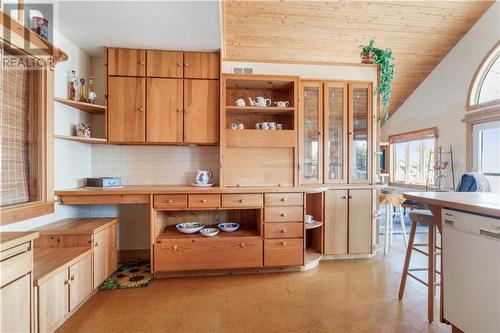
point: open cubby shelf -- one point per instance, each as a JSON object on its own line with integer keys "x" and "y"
{"x": 313, "y": 225}
{"x": 312, "y": 255}
{"x": 170, "y": 232}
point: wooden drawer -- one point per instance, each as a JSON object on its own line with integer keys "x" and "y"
{"x": 284, "y": 199}
{"x": 15, "y": 267}
{"x": 284, "y": 214}
{"x": 284, "y": 230}
{"x": 186, "y": 255}
{"x": 166, "y": 201}
{"x": 203, "y": 200}
{"x": 242, "y": 200}
{"x": 283, "y": 252}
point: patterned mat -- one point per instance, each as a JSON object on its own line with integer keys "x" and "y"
{"x": 129, "y": 275}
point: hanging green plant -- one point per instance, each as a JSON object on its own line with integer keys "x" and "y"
{"x": 384, "y": 58}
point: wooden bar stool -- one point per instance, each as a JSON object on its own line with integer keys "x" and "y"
{"x": 424, "y": 217}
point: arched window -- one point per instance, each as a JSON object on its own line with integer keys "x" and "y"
{"x": 484, "y": 90}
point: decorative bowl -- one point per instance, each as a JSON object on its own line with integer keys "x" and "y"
{"x": 209, "y": 232}
{"x": 189, "y": 227}
{"x": 228, "y": 227}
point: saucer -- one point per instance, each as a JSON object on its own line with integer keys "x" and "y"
{"x": 202, "y": 185}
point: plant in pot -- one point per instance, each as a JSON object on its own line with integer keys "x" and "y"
{"x": 385, "y": 59}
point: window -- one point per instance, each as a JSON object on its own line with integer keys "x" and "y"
{"x": 484, "y": 90}
{"x": 486, "y": 141}
{"x": 411, "y": 157}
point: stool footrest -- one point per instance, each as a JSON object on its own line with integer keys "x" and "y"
{"x": 420, "y": 251}
{"x": 418, "y": 279}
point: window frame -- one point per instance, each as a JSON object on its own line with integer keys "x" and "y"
{"x": 406, "y": 137}
{"x": 478, "y": 155}
{"x": 478, "y": 79}
{"x": 44, "y": 89}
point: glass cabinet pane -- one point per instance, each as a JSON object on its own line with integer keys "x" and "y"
{"x": 359, "y": 128}
{"x": 335, "y": 132}
{"x": 311, "y": 126}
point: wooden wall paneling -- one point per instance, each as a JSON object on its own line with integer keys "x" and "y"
{"x": 165, "y": 111}
{"x": 126, "y": 109}
{"x": 201, "y": 107}
{"x": 201, "y": 65}
{"x": 331, "y": 32}
{"x": 167, "y": 64}
{"x": 126, "y": 62}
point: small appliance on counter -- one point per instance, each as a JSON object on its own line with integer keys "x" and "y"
{"x": 104, "y": 182}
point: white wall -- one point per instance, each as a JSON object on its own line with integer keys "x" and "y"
{"x": 440, "y": 100}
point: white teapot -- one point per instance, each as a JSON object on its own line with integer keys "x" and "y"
{"x": 262, "y": 101}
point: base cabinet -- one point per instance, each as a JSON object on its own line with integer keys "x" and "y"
{"x": 105, "y": 254}
{"x": 348, "y": 222}
{"x": 16, "y": 305}
{"x": 60, "y": 295}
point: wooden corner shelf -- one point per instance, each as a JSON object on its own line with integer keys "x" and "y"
{"x": 313, "y": 225}
{"x": 85, "y": 107}
{"x": 81, "y": 139}
{"x": 311, "y": 255}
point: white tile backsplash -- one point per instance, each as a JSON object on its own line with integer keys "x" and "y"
{"x": 141, "y": 165}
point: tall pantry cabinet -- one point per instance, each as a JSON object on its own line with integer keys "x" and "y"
{"x": 335, "y": 145}
{"x": 169, "y": 97}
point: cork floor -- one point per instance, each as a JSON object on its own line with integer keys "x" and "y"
{"x": 337, "y": 296}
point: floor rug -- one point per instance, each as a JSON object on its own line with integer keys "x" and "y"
{"x": 135, "y": 274}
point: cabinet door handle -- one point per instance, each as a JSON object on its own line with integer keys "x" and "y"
{"x": 186, "y": 110}
{"x": 72, "y": 278}
{"x": 242, "y": 201}
{"x": 180, "y": 110}
{"x": 186, "y": 64}
{"x": 242, "y": 244}
{"x": 350, "y": 197}
{"x": 283, "y": 230}
{"x": 142, "y": 62}
{"x": 344, "y": 197}
{"x": 96, "y": 244}
{"x": 283, "y": 243}
{"x": 179, "y": 64}
{"x": 66, "y": 282}
{"x": 141, "y": 109}
{"x": 283, "y": 214}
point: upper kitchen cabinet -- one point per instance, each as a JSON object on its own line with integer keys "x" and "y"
{"x": 201, "y": 111}
{"x": 168, "y": 64}
{"x": 335, "y": 133}
{"x": 201, "y": 65}
{"x": 311, "y": 132}
{"x": 126, "y": 109}
{"x": 126, "y": 62}
{"x": 360, "y": 115}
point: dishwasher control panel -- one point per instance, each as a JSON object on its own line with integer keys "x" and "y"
{"x": 471, "y": 223}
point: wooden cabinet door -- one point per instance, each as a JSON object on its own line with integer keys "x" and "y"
{"x": 335, "y": 134}
{"x": 105, "y": 257}
{"x": 165, "y": 111}
{"x": 80, "y": 281}
{"x": 360, "y": 118}
{"x": 336, "y": 221}
{"x": 360, "y": 221}
{"x": 53, "y": 302}
{"x": 15, "y": 312}
{"x": 311, "y": 133}
{"x": 201, "y": 65}
{"x": 126, "y": 109}
{"x": 126, "y": 62}
{"x": 167, "y": 64}
{"x": 201, "y": 107}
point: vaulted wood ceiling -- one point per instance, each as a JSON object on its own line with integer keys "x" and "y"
{"x": 420, "y": 33}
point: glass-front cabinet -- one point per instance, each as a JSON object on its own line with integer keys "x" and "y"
{"x": 335, "y": 132}
{"x": 311, "y": 132}
{"x": 360, "y": 100}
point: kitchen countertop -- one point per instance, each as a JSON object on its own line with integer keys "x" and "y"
{"x": 169, "y": 189}
{"x": 474, "y": 202}
{"x": 11, "y": 239}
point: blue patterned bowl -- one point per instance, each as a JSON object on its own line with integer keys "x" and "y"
{"x": 228, "y": 227}
{"x": 209, "y": 232}
{"x": 189, "y": 227}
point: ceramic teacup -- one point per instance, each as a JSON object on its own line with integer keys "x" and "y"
{"x": 272, "y": 126}
{"x": 240, "y": 102}
{"x": 203, "y": 176}
{"x": 265, "y": 125}
{"x": 282, "y": 104}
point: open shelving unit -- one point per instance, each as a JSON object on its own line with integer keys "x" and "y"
{"x": 85, "y": 107}
{"x": 314, "y": 231}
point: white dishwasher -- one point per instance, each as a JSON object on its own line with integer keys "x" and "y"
{"x": 471, "y": 271}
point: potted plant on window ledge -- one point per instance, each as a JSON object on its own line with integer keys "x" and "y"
{"x": 371, "y": 54}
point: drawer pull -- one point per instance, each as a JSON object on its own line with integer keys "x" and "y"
{"x": 283, "y": 214}
{"x": 448, "y": 214}
{"x": 489, "y": 233}
{"x": 242, "y": 244}
{"x": 174, "y": 247}
{"x": 204, "y": 200}
{"x": 283, "y": 199}
{"x": 283, "y": 230}
{"x": 241, "y": 200}
{"x": 450, "y": 222}
{"x": 170, "y": 201}
{"x": 96, "y": 244}
{"x": 283, "y": 243}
